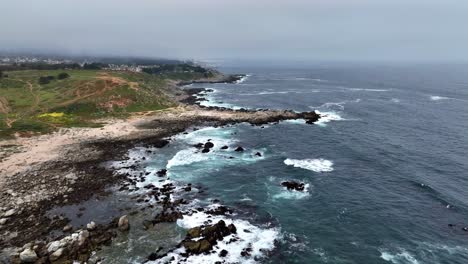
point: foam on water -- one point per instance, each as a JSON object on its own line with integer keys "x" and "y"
{"x": 326, "y": 117}
{"x": 292, "y": 194}
{"x": 317, "y": 165}
{"x": 366, "y": 90}
{"x": 186, "y": 157}
{"x": 243, "y": 79}
{"x": 438, "y": 98}
{"x": 403, "y": 257}
{"x": 259, "y": 239}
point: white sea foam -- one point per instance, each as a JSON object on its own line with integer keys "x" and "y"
{"x": 438, "y": 98}
{"x": 395, "y": 100}
{"x": 402, "y": 257}
{"x": 326, "y": 117}
{"x": 243, "y": 79}
{"x": 186, "y": 157}
{"x": 317, "y": 165}
{"x": 293, "y": 194}
{"x": 249, "y": 236}
{"x": 366, "y": 90}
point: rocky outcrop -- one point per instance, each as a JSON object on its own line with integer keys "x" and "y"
{"x": 201, "y": 239}
{"x": 292, "y": 185}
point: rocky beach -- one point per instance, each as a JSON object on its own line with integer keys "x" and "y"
{"x": 44, "y": 178}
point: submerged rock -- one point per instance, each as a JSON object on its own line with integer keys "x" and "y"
{"x": 162, "y": 172}
{"x": 239, "y": 149}
{"x": 292, "y": 185}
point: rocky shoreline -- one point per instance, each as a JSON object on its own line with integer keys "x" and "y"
{"x": 30, "y": 234}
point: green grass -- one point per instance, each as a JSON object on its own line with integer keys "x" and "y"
{"x": 82, "y": 98}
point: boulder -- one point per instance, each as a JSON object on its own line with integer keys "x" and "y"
{"x": 28, "y": 256}
{"x": 258, "y": 154}
{"x": 205, "y": 150}
{"x": 224, "y": 147}
{"x": 124, "y": 224}
{"x": 239, "y": 149}
{"x": 162, "y": 172}
{"x": 209, "y": 145}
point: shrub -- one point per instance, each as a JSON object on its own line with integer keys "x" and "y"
{"x": 63, "y": 75}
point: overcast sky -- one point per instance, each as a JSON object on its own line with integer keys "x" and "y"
{"x": 334, "y": 30}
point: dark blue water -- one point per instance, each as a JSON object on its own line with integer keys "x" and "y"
{"x": 398, "y": 143}
{"x": 386, "y": 168}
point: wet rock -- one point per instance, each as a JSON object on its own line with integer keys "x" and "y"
{"x": 194, "y": 232}
{"x": 199, "y": 145}
{"x": 205, "y": 150}
{"x": 153, "y": 257}
{"x": 3, "y": 221}
{"x": 209, "y": 145}
{"x": 292, "y": 185}
{"x": 246, "y": 252}
{"x": 223, "y": 253}
{"x": 123, "y": 224}
{"x": 239, "y": 149}
{"x": 208, "y": 237}
{"x": 168, "y": 217}
{"x": 258, "y": 154}
{"x": 224, "y": 147}
{"x": 28, "y": 256}
{"x": 220, "y": 210}
{"x": 187, "y": 188}
{"x": 465, "y": 229}
{"x": 162, "y": 172}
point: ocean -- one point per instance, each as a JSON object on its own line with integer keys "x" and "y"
{"x": 385, "y": 169}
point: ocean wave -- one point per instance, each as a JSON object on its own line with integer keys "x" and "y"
{"x": 402, "y": 257}
{"x": 366, "y": 90}
{"x": 293, "y": 194}
{"x": 243, "y": 79}
{"x": 186, "y": 157}
{"x": 317, "y": 165}
{"x": 260, "y": 240}
{"x": 326, "y": 117}
{"x": 438, "y": 98}
{"x": 395, "y": 100}
{"x": 339, "y": 105}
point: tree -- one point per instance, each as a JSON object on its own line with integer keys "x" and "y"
{"x": 63, "y": 75}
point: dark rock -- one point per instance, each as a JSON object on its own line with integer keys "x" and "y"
{"x": 292, "y": 185}
{"x": 224, "y": 147}
{"x": 187, "y": 188}
{"x": 220, "y": 210}
{"x": 258, "y": 154}
{"x": 153, "y": 257}
{"x": 168, "y": 217}
{"x": 162, "y": 173}
{"x": 199, "y": 145}
{"x": 223, "y": 253}
{"x": 205, "y": 150}
{"x": 209, "y": 145}
{"x": 239, "y": 149}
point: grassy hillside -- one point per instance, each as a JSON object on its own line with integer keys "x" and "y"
{"x": 38, "y": 101}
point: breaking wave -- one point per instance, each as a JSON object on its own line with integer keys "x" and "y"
{"x": 317, "y": 165}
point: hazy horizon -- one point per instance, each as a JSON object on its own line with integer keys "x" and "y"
{"x": 334, "y": 30}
